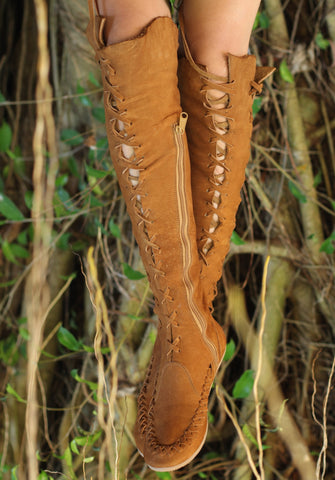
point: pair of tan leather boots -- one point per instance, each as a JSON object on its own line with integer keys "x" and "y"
{"x": 180, "y": 156}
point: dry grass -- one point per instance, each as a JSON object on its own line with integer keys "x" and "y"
{"x": 76, "y": 335}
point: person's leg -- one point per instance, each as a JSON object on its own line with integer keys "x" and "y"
{"x": 126, "y": 18}
{"x": 148, "y": 148}
{"x": 217, "y": 82}
{"x": 218, "y": 27}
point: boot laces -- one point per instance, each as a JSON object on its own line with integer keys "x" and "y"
{"x": 129, "y": 155}
{"x": 216, "y": 101}
{"x": 217, "y": 104}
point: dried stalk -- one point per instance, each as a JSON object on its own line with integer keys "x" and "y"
{"x": 279, "y": 278}
{"x": 269, "y": 385}
{"x": 42, "y": 209}
{"x": 310, "y": 213}
{"x": 109, "y": 448}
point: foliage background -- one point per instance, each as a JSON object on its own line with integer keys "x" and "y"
{"x": 77, "y": 325}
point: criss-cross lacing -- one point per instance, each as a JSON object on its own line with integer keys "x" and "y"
{"x": 129, "y": 154}
{"x": 217, "y": 101}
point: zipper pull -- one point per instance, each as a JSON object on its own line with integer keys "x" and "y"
{"x": 182, "y": 122}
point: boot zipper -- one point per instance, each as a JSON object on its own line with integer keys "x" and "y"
{"x": 179, "y": 131}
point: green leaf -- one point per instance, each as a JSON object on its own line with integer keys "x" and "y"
{"x": 19, "y": 251}
{"x": 164, "y": 475}
{"x": 256, "y": 22}
{"x": 114, "y": 229}
{"x": 321, "y": 41}
{"x": 230, "y": 350}
{"x": 264, "y": 20}
{"x": 249, "y": 435}
{"x": 94, "y": 202}
{"x": 13, "y": 475}
{"x": 99, "y": 151}
{"x": 2, "y": 98}
{"x": 210, "y": 455}
{"x": 72, "y": 164}
{"x": 28, "y": 199}
{"x": 99, "y": 114}
{"x": 60, "y": 210}
{"x": 92, "y": 385}
{"x": 297, "y": 192}
{"x": 256, "y": 106}
{"x": 236, "y": 239}
{"x": 153, "y": 336}
{"x": 61, "y": 180}
{"x": 71, "y": 137}
{"x": 137, "y": 477}
{"x": 88, "y": 459}
{"x": 92, "y": 172}
{"x": 211, "y": 417}
{"x": 11, "y": 391}
{"x": 327, "y": 246}
{"x": 63, "y": 241}
{"x": 22, "y": 237}
{"x": 43, "y": 476}
{"x": 7, "y": 251}
{"x": 9, "y": 354}
{"x": 317, "y": 179}
{"x": 9, "y": 210}
{"x": 84, "y": 99}
{"x": 68, "y": 340}
{"x": 74, "y": 447}
{"x": 68, "y": 457}
{"x": 202, "y": 475}
{"x": 93, "y": 80}
{"x": 130, "y": 273}
{"x": 261, "y": 20}
{"x": 244, "y": 384}
{"x": 285, "y": 72}
{"x": 5, "y": 137}
{"x": 9, "y": 283}
{"x": 24, "y": 333}
{"x": 62, "y": 203}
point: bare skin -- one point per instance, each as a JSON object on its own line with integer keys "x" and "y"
{"x": 216, "y": 27}
{"x": 126, "y": 18}
{"x": 213, "y": 29}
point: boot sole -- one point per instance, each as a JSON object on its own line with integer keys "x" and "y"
{"x": 180, "y": 465}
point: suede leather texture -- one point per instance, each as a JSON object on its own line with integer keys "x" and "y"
{"x": 194, "y": 82}
{"x": 141, "y": 91}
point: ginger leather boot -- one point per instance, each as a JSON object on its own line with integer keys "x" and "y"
{"x": 148, "y": 146}
{"x": 218, "y": 131}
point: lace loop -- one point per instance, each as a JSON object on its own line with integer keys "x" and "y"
{"x": 174, "y": 346}
{"x": 256, "y": 88}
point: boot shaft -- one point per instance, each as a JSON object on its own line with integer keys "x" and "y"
{"x": 219, "y": 131}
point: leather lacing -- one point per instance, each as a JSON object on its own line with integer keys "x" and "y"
{"x": 197, "y": 420}
{"x": 130, "y": 157}
{"x": 218, "y": 109}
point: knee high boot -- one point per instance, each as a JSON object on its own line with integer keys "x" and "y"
{"x": 218, "y": 131}
{"x": 146, "y": 133}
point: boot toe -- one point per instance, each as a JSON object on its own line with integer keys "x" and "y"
{"x": 177, "y": 419}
